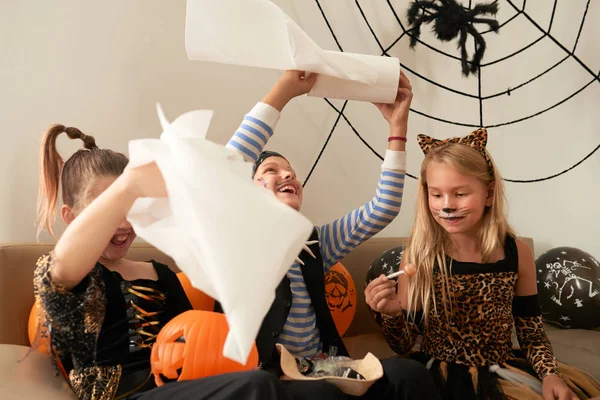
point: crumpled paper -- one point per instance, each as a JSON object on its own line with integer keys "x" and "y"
{"x": 234, "y": 240}
{"x": 257, "y": 33}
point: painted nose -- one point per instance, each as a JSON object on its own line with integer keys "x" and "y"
{"x": 448, "y": 210}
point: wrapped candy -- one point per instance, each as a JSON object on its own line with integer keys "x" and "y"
{"x": 353, "y": 377}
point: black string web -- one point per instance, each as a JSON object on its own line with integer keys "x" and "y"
{"x": 568, "y": 54}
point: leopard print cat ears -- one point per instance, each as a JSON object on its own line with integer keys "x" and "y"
{"x": 476, "y": 139}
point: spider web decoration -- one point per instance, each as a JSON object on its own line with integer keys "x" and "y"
{"x": 568, "y": 54}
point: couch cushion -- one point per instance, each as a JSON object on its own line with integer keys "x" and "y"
{"x": 578, "y": 347}
{"x": 16, "y": 290}
{"x": 30, "y": 375}
{"x": 358, "y": 346}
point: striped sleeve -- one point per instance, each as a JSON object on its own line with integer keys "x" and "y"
{"x": 255, "y": 131}
{"x": 339, "y": 237}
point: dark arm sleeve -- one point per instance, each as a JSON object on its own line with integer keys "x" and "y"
{"x": 531, "y": 336}
{"x": 400, "y": 333}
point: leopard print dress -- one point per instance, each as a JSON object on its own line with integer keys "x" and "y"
{"x": 470, "y": 353}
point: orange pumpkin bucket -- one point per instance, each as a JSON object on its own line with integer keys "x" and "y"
{"x": 190, "y": 346}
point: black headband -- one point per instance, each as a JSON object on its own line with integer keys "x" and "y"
{"x": 262, "y": 157}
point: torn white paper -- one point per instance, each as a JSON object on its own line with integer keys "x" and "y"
{"x": 233, "y": 239}
{"x": 257, "y": 33}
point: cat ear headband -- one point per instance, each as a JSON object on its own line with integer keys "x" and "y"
{"x": 476, "y": 139}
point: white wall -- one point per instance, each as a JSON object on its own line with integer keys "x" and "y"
{"x": 101, "y": 66}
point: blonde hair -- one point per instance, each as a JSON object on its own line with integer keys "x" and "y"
{"x": 429, "y": 242}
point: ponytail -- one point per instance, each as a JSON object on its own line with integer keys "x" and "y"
{"x": 51, "y": 169}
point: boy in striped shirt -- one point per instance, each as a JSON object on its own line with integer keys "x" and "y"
{"x": 299, "y": 318}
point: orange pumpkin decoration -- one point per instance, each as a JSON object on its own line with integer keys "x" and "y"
{"x": 190, "y": 346}
{"x": 340, "y": 294}
{"x": 199, "y": 299}
{"x": 39, "y": 337}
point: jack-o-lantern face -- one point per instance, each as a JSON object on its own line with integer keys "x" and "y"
{"x": 190, "y": 346}
{"x": 173, "y": 350}
{"x": 340, "y": 294}
{"x": 336, "y": 289}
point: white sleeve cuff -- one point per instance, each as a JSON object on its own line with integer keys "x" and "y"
{"x": 266, "y": 114}
{"x": 394, "y": 160}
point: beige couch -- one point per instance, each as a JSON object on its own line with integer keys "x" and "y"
{"x": 33, "y": 377}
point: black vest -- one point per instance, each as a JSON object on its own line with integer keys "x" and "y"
{"x": 269, "y": 332}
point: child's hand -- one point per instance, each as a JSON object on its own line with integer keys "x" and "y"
{"x": 291, "y": 84}
{"x": 380, "y": 295}
{"x": 396, "y": 114}
{"x": 554, "y": 388}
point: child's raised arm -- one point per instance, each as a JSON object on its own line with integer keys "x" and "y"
{"x": 82, "y": 243}
{"x": 339, "y": 237}
{"x": 258, "y": 125}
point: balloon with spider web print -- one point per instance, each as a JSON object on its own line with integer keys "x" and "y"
{"x": 533, "y": 89}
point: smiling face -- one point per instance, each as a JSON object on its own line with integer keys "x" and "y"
{"x": 456, "y": 201}
{"x": 124, "y": 235}
{"x": 123, "y": 238}
{"x": 277, "y": 175}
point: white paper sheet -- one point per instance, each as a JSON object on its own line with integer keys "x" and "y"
{"x": 257, "y": 33}
{"x": 233, "y": 239}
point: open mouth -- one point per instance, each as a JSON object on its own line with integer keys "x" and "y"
{"x": 120, "y": 240}
{"x": 288, "y": 188}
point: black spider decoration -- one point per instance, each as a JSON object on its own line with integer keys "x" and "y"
{"x": 452, "y": 20}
